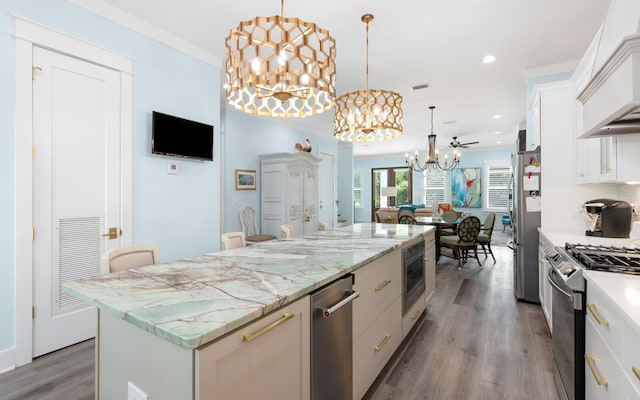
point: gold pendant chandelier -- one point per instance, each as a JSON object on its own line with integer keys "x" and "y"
{"x": 368, "y": 115}
{"x": 431, "y": 162}
{"x": 280, "y": 67}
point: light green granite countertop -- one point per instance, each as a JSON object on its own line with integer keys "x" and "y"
{"x": 191, "y": 302}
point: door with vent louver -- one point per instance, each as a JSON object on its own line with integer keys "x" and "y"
{"x": 76, "y": 190}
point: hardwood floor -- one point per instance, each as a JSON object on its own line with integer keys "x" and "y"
{"x": 476, "y": 342}
{"x": 66, "y": 374}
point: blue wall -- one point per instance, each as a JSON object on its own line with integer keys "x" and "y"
{"x": 179, "y": 212}
{"x": 345, "y": 182}
{"x": 470, "y": 159}
{"x": 246, "y": 136}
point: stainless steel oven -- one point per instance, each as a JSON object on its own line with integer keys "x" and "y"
{"x": 412, "y": 275}
{"x": 568, "y": 337}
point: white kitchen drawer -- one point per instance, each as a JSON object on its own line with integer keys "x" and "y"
{"x": 610, "y": 324}
{"x": 630, "y": 392}
{"x": 631, "y": 358}
{"x": 375, "y": 346}
{"x": 605, "y": 368}
{"x": 411, "y": 316}
{"x": 379, "y": 284}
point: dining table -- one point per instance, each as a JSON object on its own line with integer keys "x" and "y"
{"x": 439, "y": 223}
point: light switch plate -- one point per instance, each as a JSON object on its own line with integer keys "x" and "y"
{"x": 135, "y": 393}
{"x": 172, "y": 169}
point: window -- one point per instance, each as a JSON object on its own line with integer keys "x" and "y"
{"x": 434, "y": 182}
{"x": 357, "y": 189}
{"x": 498, "y": 187}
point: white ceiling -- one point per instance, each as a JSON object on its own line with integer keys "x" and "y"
{"x": 413, "y": 42}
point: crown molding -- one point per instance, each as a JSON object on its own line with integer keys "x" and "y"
{"x": 146, "y": 29}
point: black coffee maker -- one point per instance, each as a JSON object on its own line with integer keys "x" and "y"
{"x": 608, "y": 218}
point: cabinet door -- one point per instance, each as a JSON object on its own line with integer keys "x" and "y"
{"x": 430, "y": 266}
{"x": 608, "y": 155}
{"x": 295, "y": 214}
{"x": 272, "y": 195}
{"x": 628, "y": 162}
{"x": 310, "y": 200}
{"x": 272, "y": 364}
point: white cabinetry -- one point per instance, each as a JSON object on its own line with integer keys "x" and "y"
{"x": 535, "y": 123}
{"x": 268, "y": 359}
{"x": 612, "y": 350}
{"x": 544, "y": 288}
{"x": 596, "y": 160}
{"x": 289, "y": 192}
{"x": 377, "y": 319}
{"x": 430, "y": 265}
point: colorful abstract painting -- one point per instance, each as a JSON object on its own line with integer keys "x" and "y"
{"x": 465, "y": 188}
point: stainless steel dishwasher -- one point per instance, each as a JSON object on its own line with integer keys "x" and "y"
{"x": 331, "y": 340}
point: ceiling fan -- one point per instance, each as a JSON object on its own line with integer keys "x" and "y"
{"x": 455, "y": 143}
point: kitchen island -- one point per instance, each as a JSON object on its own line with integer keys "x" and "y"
{"x": 172, "y": 329}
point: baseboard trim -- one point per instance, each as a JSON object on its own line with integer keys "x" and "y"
{"x": 7, "y": 360}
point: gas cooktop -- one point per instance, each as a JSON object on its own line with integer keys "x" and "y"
{"x": 606, "y": 258}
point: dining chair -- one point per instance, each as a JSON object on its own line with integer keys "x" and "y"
{"x": 484, "y": 237}
{"x": 129, "y": 257}
{"x": 407, "y": 220}
{"x": 464, "y": 240}
{"x": 286, "y": 231}
{"x": 449, "y": 216}
{"x": 232, "y": 240}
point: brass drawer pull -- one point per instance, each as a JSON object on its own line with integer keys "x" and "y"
{"x": 636, "y": 372}
{"x": 591, "y": 361}
{"x": 416, "y": 315}
{"x": 594, "y": 312}
{"x": 382, "y": 285}
{"x": 248, "y": 337}
{"x": 381, "y": 345}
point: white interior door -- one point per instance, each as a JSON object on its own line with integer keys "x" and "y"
{"x": 326, "y": 205}
{"x": 76, "y": 189}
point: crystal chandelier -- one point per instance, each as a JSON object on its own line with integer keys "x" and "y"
{"x": 280, "y": 67}
{"x": 368, "y": 115}
{"x": 432, "y": 163}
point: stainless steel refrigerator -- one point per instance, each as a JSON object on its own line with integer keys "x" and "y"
{"x": 524, "y": 211}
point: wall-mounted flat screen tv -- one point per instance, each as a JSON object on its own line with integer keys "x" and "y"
{"x": 175, "y": 136}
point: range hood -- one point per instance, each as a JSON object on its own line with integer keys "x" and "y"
{"x": 611, "y": 100}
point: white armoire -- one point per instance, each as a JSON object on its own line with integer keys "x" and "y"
{"x": 289, "y": 192}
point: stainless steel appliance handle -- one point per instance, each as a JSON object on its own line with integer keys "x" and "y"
{"x": 329, "y": 311}
{"x": 555, "y": 285}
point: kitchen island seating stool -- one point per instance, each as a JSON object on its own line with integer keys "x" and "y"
{"x": 464, "y": 240}
{"x": 286, "y": 231}
{"x": 232, "y": 240}
{"x": 250, "y": 227}
{"x": 484, "y": 237}
{"x": 129, "y": 257}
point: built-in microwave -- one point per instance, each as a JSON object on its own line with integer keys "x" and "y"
{"x": 412, "y": 275}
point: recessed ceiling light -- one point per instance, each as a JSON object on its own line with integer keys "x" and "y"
{"x": 499, "y": 142}
{"x": 488, "y": 59}
{"x": 497, "y": 132}
{"x": 497, "y": 116}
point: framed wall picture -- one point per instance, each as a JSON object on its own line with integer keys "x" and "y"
{"x": 465, "y": 187}
{"x": 245, "y": 179}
